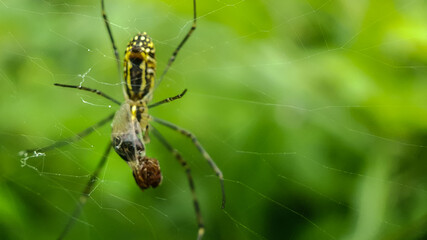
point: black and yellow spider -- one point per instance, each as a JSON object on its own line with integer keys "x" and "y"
{"x": 131, "y": 123}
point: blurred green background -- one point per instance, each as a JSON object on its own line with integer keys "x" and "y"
{"x": 314, "y": 110}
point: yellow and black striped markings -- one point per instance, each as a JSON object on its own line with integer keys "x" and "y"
{"x": 139, "y": 67}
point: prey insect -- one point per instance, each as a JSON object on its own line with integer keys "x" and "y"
{"x": 132, "y": 124}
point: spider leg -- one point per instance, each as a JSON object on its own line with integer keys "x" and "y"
{"x": 69, "y": 140}
{"x": 168, "y": 99}
{"x": 201, "y": 150}
{"x": 86, "y": 193}
{"x": 110, "y": 34}
{"x": 184, "y": 164}
{"x": 89, "y": 90}
{"x": 175, "y": 53}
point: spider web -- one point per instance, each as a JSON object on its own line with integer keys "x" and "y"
{"x": 314, "y": 111}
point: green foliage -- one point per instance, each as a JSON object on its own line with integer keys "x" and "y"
{"x": 314, "y": 110}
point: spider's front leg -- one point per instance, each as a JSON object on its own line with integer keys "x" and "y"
{"x": 86, "y": 193}
{"x": 199, "y": 146}
{"x": 184, "y": 164}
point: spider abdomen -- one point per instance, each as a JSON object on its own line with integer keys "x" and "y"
{"x": 139, "y": 67}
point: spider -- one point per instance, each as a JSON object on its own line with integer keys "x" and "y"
{"x": 131, "y": 123}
